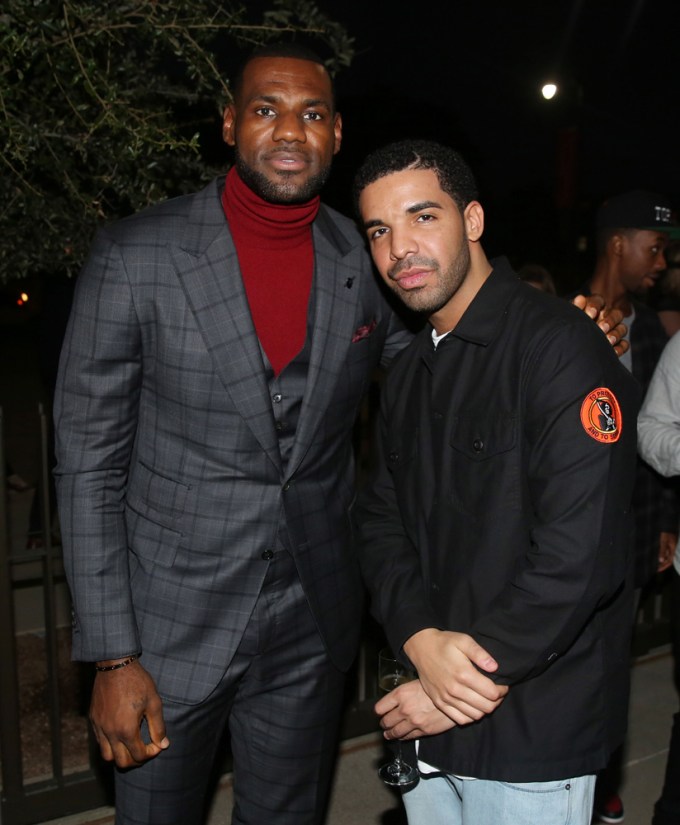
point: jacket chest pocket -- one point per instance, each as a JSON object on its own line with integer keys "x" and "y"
{"x": 485, "y": 463}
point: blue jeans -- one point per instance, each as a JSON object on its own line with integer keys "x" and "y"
{"x": 444, "y": 799}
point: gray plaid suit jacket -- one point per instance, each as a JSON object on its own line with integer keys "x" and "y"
{"x": 169, "y": 478}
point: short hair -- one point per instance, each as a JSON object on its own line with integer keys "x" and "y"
{"x": 454, "y": 175}
{"x": 294, "y": 51}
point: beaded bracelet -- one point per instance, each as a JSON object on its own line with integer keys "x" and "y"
{"x": 118, "y": 665}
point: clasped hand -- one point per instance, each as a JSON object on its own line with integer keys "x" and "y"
{"x": 451, "y": 688}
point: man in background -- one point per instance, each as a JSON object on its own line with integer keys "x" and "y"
{"x": 633, "y": 230}
{"x": 659, "y": 444}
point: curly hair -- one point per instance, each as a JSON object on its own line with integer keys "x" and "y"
{"x": 454, "y": 175}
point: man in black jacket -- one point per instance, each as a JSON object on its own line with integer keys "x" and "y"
{"x": 494, "y": 535}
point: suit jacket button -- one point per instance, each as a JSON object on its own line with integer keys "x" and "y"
{"x": 478, "y": 445}
{"x": 286, "y": 487}
{"x": 268, "y": 555}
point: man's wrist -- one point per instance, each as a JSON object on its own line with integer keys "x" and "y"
{"x": 106, "y": 665}
{"x": 413, "y": 643}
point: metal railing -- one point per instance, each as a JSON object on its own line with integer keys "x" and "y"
{"x": 58, "y": 791}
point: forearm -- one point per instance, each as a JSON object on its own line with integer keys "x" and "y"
{"x": 575, "y": 560}
{"x": 659, "y": 418}
{"x": 96, "y": 566}
{"x": 659, "y": 443}
{"x": 391, "y": 571}
{"x": 388, "y": 557}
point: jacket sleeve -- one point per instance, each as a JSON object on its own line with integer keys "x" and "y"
{"x": 389, "y": 561}
{"x": 96, "y": 405}
{"x": 659, "y": 419}
{"x": 579, "y": 489}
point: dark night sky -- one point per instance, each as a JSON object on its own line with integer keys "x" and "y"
{"x": 469, "y": 74}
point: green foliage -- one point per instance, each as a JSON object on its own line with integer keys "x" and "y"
{"x": 103, "y": 108}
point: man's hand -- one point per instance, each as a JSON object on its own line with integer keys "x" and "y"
{"x": 407, "y": 712}
{"x": 607, "y": 319}
{"x": 120, "y": 700}
{"x": 667, "y": 543}
{"x": 447, "y": 665}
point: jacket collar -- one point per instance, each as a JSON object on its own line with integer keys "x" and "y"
{"x": 206, "y": 221}
{"x": 482, "y": 320}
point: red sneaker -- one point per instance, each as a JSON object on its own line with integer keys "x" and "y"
{"x": 609, "y": 809}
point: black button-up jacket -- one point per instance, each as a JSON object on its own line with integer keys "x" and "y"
{"x": 494, "y": 512}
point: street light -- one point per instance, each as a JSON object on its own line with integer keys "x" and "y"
{"x": 549, "y": 90}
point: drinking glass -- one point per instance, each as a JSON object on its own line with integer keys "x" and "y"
{"x": 391, "y": 674}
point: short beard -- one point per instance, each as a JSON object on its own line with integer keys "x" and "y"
{"x": 430, "y": 301}
{"x": 286, "y": 191}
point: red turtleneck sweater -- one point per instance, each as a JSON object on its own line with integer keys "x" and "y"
{"x": 276, "y": 256}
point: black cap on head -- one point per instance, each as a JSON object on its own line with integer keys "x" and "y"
{"x": 638, "y": 210}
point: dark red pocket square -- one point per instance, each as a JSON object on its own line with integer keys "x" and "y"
{"x": 364, "y": 332}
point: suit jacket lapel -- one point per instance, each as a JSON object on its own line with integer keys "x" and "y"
{"x": 335, "y": 260}
{"x": 207, "y": 267}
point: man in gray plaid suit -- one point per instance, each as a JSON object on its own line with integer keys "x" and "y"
{"x": 205, "y": 466}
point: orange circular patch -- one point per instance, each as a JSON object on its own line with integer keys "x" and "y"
{"x": 601, "y": 416}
